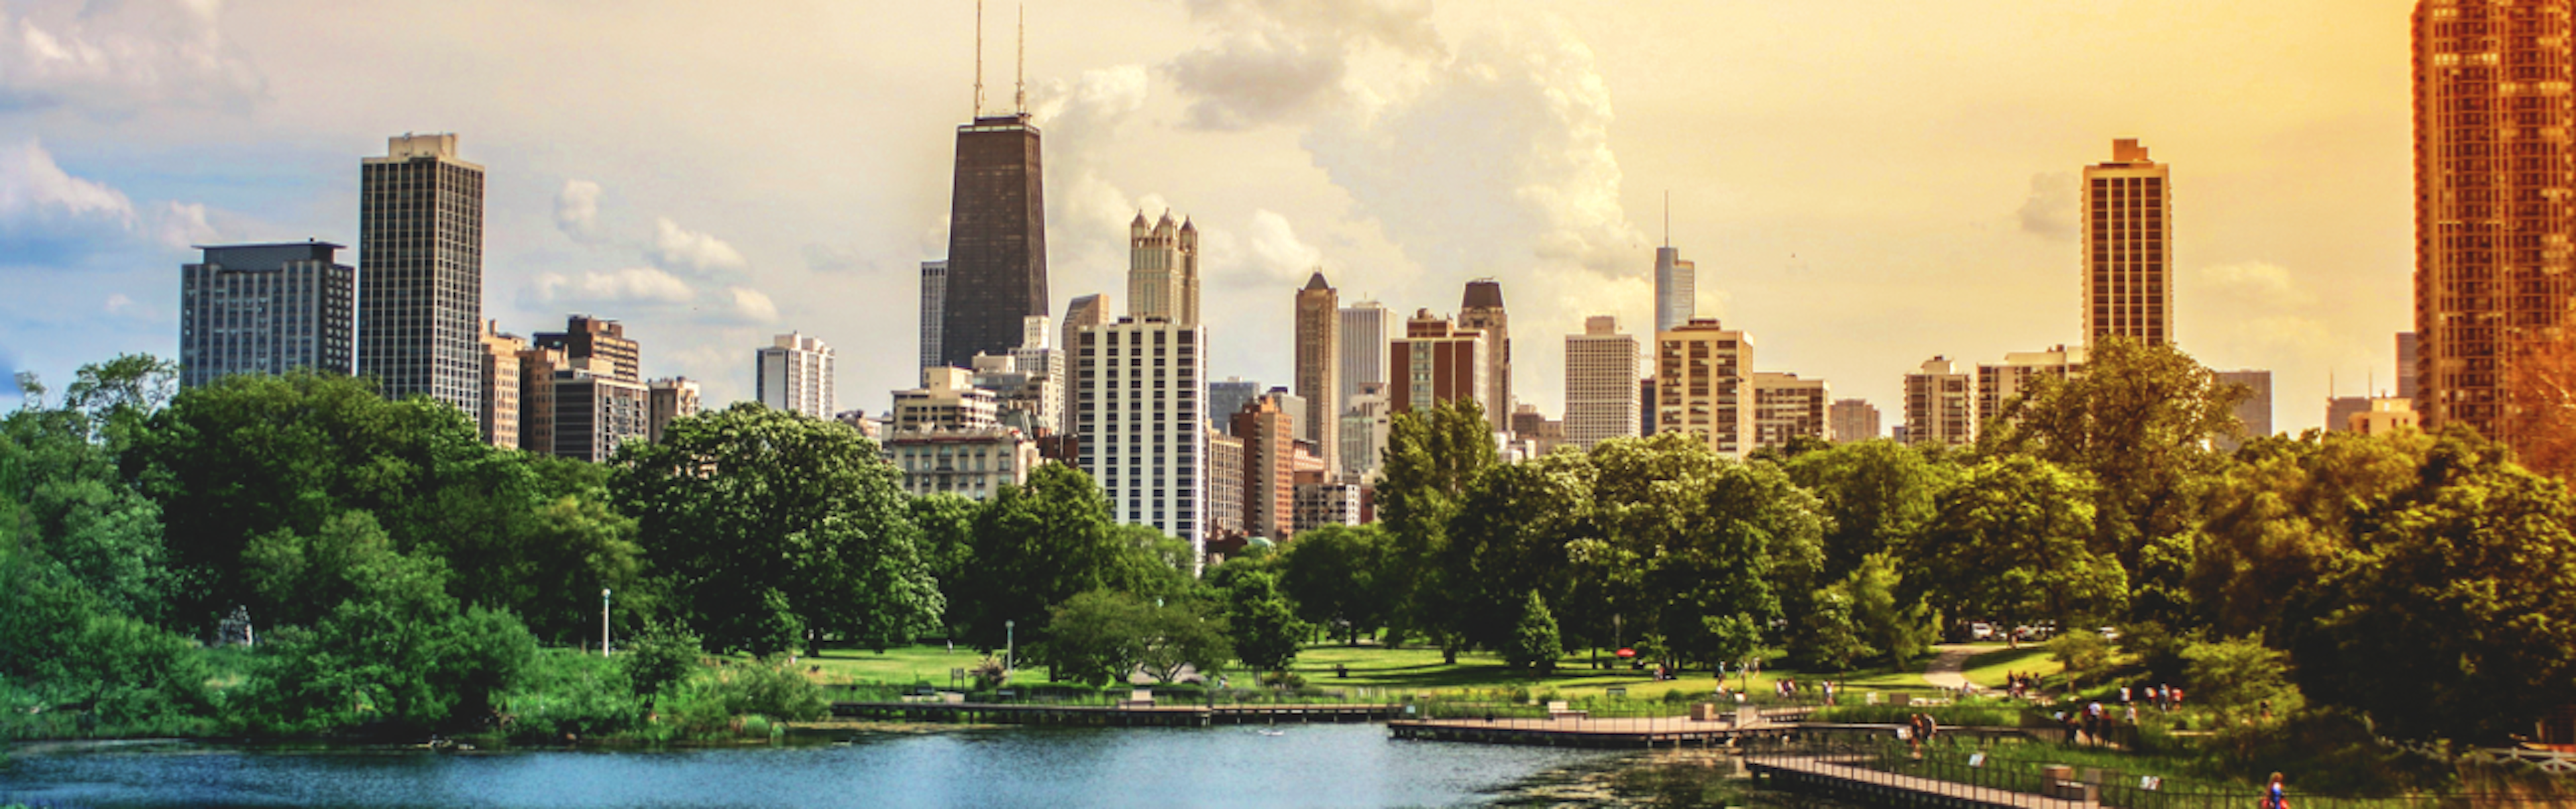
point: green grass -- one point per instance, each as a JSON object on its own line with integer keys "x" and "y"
{"x": 1988, "y": 668}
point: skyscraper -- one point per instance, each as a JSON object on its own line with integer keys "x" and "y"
{"x": 2495, "y": 199}
{"x": 1163, "y": 270}
{"x": 1364, "y": 343}
{"x": 1787, "y": 408}
{"x": 1087, "y": 310}
{"x": 1941, "y": 404}
{"x": 1600, "y": 383}
{"x": 667, "y": 400}
{"x": 265, "y": 309}
{"x": 794, "y": 373}
{"x": 997, "y": 271}
{"x": 934, "y": 301}
{"x": 1676, "y": 289}
{"x": 591, "y": 394}
{"x": 499, "y": 414}
{"x": 1704, "y": 385}
{"x": 1998, "y": 385}
{"x": 1482, "y": 310}
{"x": 2128, "y": 247}
{"x": 1319, "y": 367}
{"x": 1143, "y": 435}
{"x": 420, "y": 271}
{"x": 1854, "y": 420}
{"x": 2406, "y": 365}
{"x": 1438, "y": 362}
{"x": 1268, "y": 482}
{"x": 1227, "y": 396}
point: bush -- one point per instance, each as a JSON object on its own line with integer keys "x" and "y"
{"x": 663, "y": 655}
{"x": 711, "y": 700}
{"x": 566, "y": 694}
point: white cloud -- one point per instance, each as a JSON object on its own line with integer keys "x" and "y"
{"x": 117, "y": 303}
{"x": 754, "y": 306}
{"x": 35, "y": 189}
{"x": 1276, "y": 253}
{"x": 184, "y": 225}
{"x": 112, "y": 59}
{"x": 676, "y": 248}
{"x": 629, "y": 284}
{"x": 577, "y": 210}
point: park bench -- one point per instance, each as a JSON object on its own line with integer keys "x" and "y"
{"x": 1558, "y": 710}
{"x": 1138, "y": 698}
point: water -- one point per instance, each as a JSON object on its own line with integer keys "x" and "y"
{"x": 1307, "y": 765}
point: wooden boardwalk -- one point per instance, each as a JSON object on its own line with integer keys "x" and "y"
{"x": 1836, "y": 776}
{"x": 1573, "y": 731}
{"x": 1162, "y": 715}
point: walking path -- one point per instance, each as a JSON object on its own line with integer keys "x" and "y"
{"x": 1949, "y": 667}
{"x": 1893, "y": 789}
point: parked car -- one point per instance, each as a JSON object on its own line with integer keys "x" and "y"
{"x": 1981, "y": 631}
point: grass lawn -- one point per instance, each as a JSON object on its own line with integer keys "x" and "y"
{"x": 1988, "y": 667}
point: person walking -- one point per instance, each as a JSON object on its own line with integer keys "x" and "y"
{"x": 2274, "y": 797}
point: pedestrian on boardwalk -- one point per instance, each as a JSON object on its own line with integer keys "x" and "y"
{"x": 2273, "y": 795}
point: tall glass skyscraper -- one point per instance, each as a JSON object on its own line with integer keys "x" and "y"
{"x": 420, "y": 279}
{"x": 997, "y": 272}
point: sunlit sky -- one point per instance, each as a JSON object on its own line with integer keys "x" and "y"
{"x": 1864, "y": 184}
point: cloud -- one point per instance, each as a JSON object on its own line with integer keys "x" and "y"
{"x": 1083, "y": 119}
{"x": 118, "y": 303}
{"x": 113, "y": 59}
{"x": 631, "y": 284}
{"x": 183, "y": 225}
{"x": 2050, "y": 209}
{"x": 750, "y": 304}
{"x": 577, "y": 210}
{"x": 33, "y": 188}
{"x": 1276, "y": 253}
{"x": 1274, "y": 60}
{"x": 2268, "y": 281}
{"x": 680, "y": 249}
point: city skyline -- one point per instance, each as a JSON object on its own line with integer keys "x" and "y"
{"x": 705, "y": 241}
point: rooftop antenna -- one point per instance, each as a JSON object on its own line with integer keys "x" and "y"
{"x": 1020, "y": 69}
{"x": 1668, "y": 217}
{"x": 979, "y": 58}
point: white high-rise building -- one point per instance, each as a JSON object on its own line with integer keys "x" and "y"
{"x": 1600, "y": 383}
{"x": 1676, "y": 289}
{"x": 1143, "y": 432}
{"x": 1941, "y": 404}
{"x": 1998, "y": 385}
{"x": 795, "y": 375}
{"x": 1364, "y": 346}
{"x": 1364, "y": 431}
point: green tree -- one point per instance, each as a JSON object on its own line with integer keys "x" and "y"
{"x": 2239, "y": 677}
{"x": 1876, "y": 494}
{"x": 1040, "y": 544}
{"x": 1265, "y": 629}
{"x": 1900, "y": 628}
{"x": 1103, "y": 635}
{"x": 1338, "y": 577}
{"x": 2284, "y": 514}
{"x": 1431, "y": 458}
{"x": 1534, "y": 645}
{"x": 774, "y": 529}
{"x": 1753, "y": 536}
{"x": 947, "y": 524}
{"x": 1825, "y": 638}
{"x": 2010, "y": 544}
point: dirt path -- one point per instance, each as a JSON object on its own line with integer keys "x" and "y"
{"x": 1948, "y": 667}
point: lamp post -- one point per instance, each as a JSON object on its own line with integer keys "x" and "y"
{"x": 1010, "y": 647}
{"x": 603, "y": 622}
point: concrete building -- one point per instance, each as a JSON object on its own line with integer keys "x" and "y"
{"x": 2384, "y": 416}
{"x": 1364, "y": 430}
{"x": 1482, "y": 309}
{"x": 1269, "y": 436}
{"x": 2128, "y": 247}
{"x": 1227, "y": 397}
{"x": 874, "y": 428}
{"x": 499, "y": 415}
{"x": 1676, "y": 290}
{"x": 997, "y": 248}
{"x": 1042, "y": 364}
{"x": 1787, "y": 408}
{"x": 2255, "y": 412}
{"x": 1143, "y": 432}
{"x": 1022, "y": 400}
{"x": 794, "y": 374}
{"x": 1647, "y": 402}
{"x": 1941, "y": 405}
{"x": 667, "y": 400}
{"x": 2341, "y": 410}
{"x": 1087, "y": 310}
{"x": 1998, "y": 385}
{"x": 1364, "y": 340}
{"x": 1539, "y": 434}
{"x": 1853, "y": 420}
{"x": 265, "y": 309}
{"x": 934, "y": 301}
{"x": 596, "y": 410}
{"x": 1226, "y": 471}
{"x": 420, "y": 271}
{"x": 587, "y": 338}
{"x": 2495, "y": 201}
{"x": 1163, "y": 270}
{"x": 1438, "y": 362}
{"x": 2407, "y": 356}
{"x": 946, "y": 401}
{"x": 1601, "y": 393}
{"x": 1321, "y": 502}
{"x": 537, "y": 368}
{"x": 1319, "y": 366}
{"x": 974, "y": 464}
{"x": 1704, "y": 385}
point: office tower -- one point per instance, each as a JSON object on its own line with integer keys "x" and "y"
{"x": 1482, "y": 310}
{"x": 2128, "y": 247}
{"x": 1647, "y": 403}
{"x": 1225, "y": 398}
{"x": 1853, "y": 420}
{"x": 1319, "y": 367}
{"x": 1087, "y": 310}
{"x": 2384, "y": 415}
{"x": 946, "y": 400}
{"x": 537, "y": 366}
{"x": 1941, "y": 405}
{"x": 595, "y": 409}
{"x": 2494, "y": 213}
{"x": 974, "y": 464}
{"x": 1363, "y": 433}
{"x": 1704, "y": 385}
{"x": 1321, "y": 502}
{"x": 1226, "y": 471}
{"x": 588, "y": 338}
{"x": 1787, "y": 408}
{"x": 934, "y": 300}
{"x": 997, "y": 270}
{"x": 2340, "y": 411}
{"x": 265, "y": 309}
{"x": 1539, "y": 433}
{"x": 1601, "y": 393}
{"x": 1676, "y": 290}
{"x": 1269, "y": 484}
{"x": 1143, "y": 434}
{"x": 1438, "y": 362}
{"x": 795, "y": 375}
{"x": 666, "y": 400}
{"x": 1163, "y": 270}
{"x": 499, "y": 414}
{"x": 1364, "y": 343}
{"x": 420, "y": 271}
{"x": 2255, "y": 410}
{"x": 1295, "y": 406}
{"x": 2406, "y": 365}
{"x": 1998, "y": 385}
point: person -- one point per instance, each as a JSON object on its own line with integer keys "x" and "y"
{"x": 2273, "y": 797}
{"x": 1913, "y": 733}
{"x": 2132, "y": 714}
{"x": 2124, "y": 695}
{"x": 1931, "y": 729}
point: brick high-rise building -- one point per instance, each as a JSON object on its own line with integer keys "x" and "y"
{"x": 420, "y": 271}
{"x": 667, "y": 400}
{"x": 2128, "y": 247}
{"x": 2495, "y": 199}
{"x": 1438, "y": 362}
{"x": 585, "y": 337}
{"x": 1269, "y": 468}
{"x": 1601, "y": 400}
{"x": 1482, "y": 310}
{"x": 1319, "y": 366}
{"x": 1704, "y": 385}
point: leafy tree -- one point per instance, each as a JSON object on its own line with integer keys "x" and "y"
{"x": 1876, "y": 494}
{"x": 1102, "y": 635}
{"x": 1507, "y": 541}
{"x": 2240, "y": 676}
{"x": 1431, "y": 458}
{"x": 1825, "y": 638}
{"x": 2083, "y": 651}
{"x": 1265, "y": 629}
{"x": 2010, "y": 543}
{"x": 1534, "y": 645}
{"x": 62, "y": 497}
{"x": 2283, "y": 515}
{"x": 658, "y": 657}
{"x": 70, "y": 650}
{"x": 947, "y": 524}
{"x": 1752, "y": 536}
{"x": 1891, "y": 625}
{"x": 1338, "y": 577}
{"x": 774, "y": 529}
{"x": 1040, "y": 544}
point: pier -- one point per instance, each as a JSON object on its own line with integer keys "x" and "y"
{"x": 1129, "y": 715}
{"x": 1841, "y": 777}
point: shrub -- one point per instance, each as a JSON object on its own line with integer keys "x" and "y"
{"x": 565, "y": 693}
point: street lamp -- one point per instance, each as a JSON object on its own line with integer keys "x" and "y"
{"x": 1010, "y": 646}
{"x": 603, "y": 622}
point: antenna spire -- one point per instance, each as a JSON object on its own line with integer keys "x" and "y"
{"x": 1668, "y": 217}
{"x": 1020, "y": 69}
{"x": 979, "y": 58}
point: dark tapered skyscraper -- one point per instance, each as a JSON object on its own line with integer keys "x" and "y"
{"x": 997, "y": 271}
{"x": 420, "y": 272}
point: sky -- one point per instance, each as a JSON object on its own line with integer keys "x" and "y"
{"x": 1864, "y": 185}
